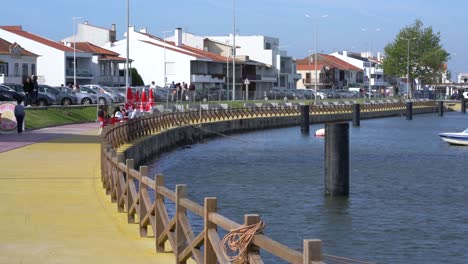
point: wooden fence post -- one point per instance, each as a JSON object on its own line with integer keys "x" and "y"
{"x": 210, "y": 207}
{"x": 142, "y": 210}
{"x": 252, "y": 254}
{"x": 118, "y": 186}
{"x": 181, "y": 192}
{"x": 113, "y": 176}
{"x": 312, "y": 251}
{"x": 129, "y": 197}
{"x": 158, "y": 199}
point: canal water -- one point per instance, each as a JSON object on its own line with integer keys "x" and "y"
{"x": 408, "y": 189}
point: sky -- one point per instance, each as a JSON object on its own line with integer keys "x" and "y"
{"x": 340, "y": 22}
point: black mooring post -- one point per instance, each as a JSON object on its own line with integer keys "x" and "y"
{"x": 337, "y": 159}
{"x": 440, "y": 108}
{"x": 409, "y": 110}
{"x": 463, "y": 105}
{"x": 305, "y": 119}
{"x": 356, "y": 115}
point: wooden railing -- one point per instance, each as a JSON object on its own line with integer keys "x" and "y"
{"x": 144, "y": 200}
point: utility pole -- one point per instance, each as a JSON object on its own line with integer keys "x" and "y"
{"x": 234, "y": 54}
{"x": 127, "y": 83}
{"x": 408, "y": 87}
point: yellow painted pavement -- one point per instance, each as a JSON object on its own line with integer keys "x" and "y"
{"x": 53, "y": 208}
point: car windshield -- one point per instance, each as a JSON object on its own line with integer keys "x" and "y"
{"x": 87, "y": 90}
{"x": 51, "y": 90}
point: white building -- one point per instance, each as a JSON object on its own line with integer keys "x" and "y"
{"x": 372, "y": 67}
{"x": 462, "y": 77}
{"x": 266, "y": 50}
{"x": 15, "y": 62}
{"x": 98, "y": 36}
{"x": 55, "y": 61}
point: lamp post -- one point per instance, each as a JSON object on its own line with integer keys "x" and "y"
{"x": 315, "y": 55}
{"x": 407, "y": 68}
{"x": 74, "y": 49}
{"x": 227, "y": 69}
{"x": 164, "y": 38}
{"x": 234, "y": 52}
{"x": 127, "y": 83}
{"x": 370, "y": 56}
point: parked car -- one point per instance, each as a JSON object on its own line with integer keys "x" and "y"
{"x": 115, "y": 95}
{"x": 6, "y": 97}
{"x": 12, "y": 93}
{"x": 102, "y": 98}
{"x": 42, "y": 98}
{"x": 83, "y": 98}
{"x": 60, "y": 97}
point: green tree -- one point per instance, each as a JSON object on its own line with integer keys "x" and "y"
{"x": 136, "y": 78}
{"x": 426, "y": 55}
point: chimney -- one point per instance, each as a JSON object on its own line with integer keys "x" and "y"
{"x": 143, "y": 30}
{"x": 86, "y": 22}
{"x": 178, "y": 36}
{"x": 113, "y": 27}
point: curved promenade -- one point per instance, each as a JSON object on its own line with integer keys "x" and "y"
{"x": 53, "y": 207}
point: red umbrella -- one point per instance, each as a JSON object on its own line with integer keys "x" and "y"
{"x": 130, "y": 101}
{"x": 144, "y": 100}
{"x": 149, "y": 105}
{"x": 137, "y": 100}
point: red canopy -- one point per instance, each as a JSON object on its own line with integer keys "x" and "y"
{"x": 150, "y": 104}
{"x": 144, "y": 100}
{"x": 130, "y": 101}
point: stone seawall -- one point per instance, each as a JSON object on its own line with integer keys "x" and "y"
{"x": 148, "y": 147}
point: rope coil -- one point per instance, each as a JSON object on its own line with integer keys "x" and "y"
{"x": 236, "y": 242}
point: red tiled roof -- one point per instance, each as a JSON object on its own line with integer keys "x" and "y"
{"x": 331, "y": 62}
{"x": 5, "y": 48}
{"x": 188, "y": 50}
{"x": 18, "y": 30}
{"x": 112, "y": 58}
{"x": 307, "y": 67}
{"x": 91, "y": 48}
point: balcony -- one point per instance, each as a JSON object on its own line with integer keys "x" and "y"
{"x": 82, "y": 73}
{"x": 262, "y": 77}
{"x": 206, "y": 78}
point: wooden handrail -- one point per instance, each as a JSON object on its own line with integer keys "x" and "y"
{"x": 119, "y": 176}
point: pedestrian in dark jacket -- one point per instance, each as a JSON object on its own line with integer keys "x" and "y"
{"x": 28, "y": 90}
{"x": 35, "y": 92}
{"x": 19, "y": 115}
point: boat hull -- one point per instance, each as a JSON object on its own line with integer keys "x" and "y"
{"x": 455, "y": 138}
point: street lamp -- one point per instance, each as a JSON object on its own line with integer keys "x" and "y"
{"x": 370, "y": 56}
{"x": 407, "y": 69}
{"x": 74, "y": 49}
{"x": 165, "y": 74}
{"x": 315, "y": 56}
{"x": 228, "y": 55}
{"x": 234, "y": 53}
{"x": 127, "y": 83}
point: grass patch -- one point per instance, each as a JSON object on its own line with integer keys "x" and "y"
{"x": 39, "y": 118}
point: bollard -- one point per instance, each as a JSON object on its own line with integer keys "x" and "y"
{"x": 356, "y": 115}
{"x": 409, "y": 110}
{"x": 463, "y": 105}
{"x": 305, "y": 119}
{"x": 440, "y": 108}
{"x": 337, "y": 159}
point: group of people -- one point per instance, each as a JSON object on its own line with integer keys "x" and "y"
{"x": 31, "y": 90}
{"x": 119, "y": 114}
{"x": 182, "y": 91}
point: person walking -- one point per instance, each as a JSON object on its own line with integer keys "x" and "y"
{"x": 19, "y": 115}
{"x": 35, "y": 91}
{"x": 28, "y": 90}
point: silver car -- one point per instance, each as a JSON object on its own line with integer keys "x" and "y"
{"x": 59, "y": 96}
{"x": 102, "y": 98}
{"x": 115, "y": 95}
{"x": 84, "y": 98}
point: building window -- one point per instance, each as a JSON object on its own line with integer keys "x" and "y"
{"x": 16, "y": 72}
{"x": 25, "y": 69}
{"x": 267, "y": 45}
{"x": 33, "y": 69}
{"x": 4, "y": 68}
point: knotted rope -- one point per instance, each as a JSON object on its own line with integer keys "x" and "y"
{"x": 236, "y": 242}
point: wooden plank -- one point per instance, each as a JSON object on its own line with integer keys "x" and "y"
{"x": 132, "y": 209}
{"x": 190, "y": 237}
{"x": 277, "y": 249}
{"x": 158, "y": 200}
{"x": 222, "y": 221}
{"x": 168, "y": 226}
{"x": 181, "y": 192}
{"x": 149, "y": 183}
{"x": 166, "y": 193}
{"x": 130, "y": 163}
{"x": 216, "y": 244}
{"x": 192, "y": 206}
{"x": 195, "y": 244}
{"x": 209, "y": 208}
{"x": 255, "y": 258}
{"x": 312, "y": 251}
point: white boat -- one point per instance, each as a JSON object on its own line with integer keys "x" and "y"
{"x": 455, "y": 138}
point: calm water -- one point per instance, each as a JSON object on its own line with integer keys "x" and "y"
{"x": 408, "y": 189}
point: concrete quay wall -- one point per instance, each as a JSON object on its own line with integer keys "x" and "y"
{"x": 150, "y": 146}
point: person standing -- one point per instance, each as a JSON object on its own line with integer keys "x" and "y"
{"x": 28, "y": 89}
{"x": 35, "y": 91}
{"x": 153, "y": 85}
{"x": 19, "y": 115}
